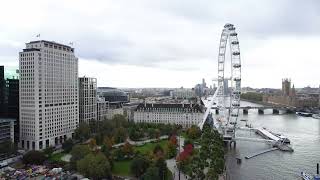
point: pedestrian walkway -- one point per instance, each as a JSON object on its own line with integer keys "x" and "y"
{"x": 172, "y": 165}
{"x": 139, "y": 143}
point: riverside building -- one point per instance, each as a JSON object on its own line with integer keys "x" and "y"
{"x": 48, "y": 94}
{"x": 181, "y": 114}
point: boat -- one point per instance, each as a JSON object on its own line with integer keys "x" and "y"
{"x": 304, "y": 114}
{"x": 316, "y": 116}
{"x": 283, "y": 138}
{"x": 306, "y": 176}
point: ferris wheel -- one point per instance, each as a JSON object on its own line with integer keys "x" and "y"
{"x": 229, "y": 99}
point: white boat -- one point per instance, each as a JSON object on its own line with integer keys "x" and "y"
{"x": 306, "y": 176}
{"x": 316, "y": 116}
{"x": 305, "y": 114}
{"x": 283, "y": 138}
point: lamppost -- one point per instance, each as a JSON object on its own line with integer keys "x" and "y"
{"x": 179, "y": 153}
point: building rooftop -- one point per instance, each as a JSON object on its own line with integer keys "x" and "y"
{"x": 4, "y": 120}
{"x": 143, "y": 106}
{"x": 49, "y": 42}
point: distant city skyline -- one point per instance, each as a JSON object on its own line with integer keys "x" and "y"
{"x": 170, "y": 43}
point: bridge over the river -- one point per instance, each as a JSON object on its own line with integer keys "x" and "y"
{"x": 275, "y": 109}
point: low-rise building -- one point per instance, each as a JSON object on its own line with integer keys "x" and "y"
{"x": 7, "y": 129}
{"x": 113, "y": 94}
{"x": 102, "y": 108}
{"x": 115, "y": 108}
{"x": 183, "y": 93}
{"x": 181, "y": 114}
{"x": 128, "y": 110}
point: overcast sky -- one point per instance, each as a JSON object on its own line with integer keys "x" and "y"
{"x": 171, "y": 43}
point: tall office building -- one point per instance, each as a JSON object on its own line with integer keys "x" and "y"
{"x": 48, "y": 94}
{"x": 9, "y": 100}
{"x": 87, "y": 99}
{"x": 12, "y": 86}
{"x": 2, "y": 93}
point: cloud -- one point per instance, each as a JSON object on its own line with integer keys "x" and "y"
{"x": 168, "y": 36}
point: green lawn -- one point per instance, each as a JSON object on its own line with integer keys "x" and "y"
{"x": 145, "y": 149}
{"x": 122, "y": 168}
{"x": 56, "y": 157}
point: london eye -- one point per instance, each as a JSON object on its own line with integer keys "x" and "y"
{"x": 229, "y": 99}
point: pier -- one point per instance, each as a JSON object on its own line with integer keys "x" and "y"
{"x": 261, "y": 152}
{"x": 266, "y": 134}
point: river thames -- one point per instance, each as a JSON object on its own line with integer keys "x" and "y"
{"x": 304, "y": 133}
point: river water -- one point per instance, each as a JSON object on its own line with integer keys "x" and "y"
{"x": 304, "y": 133}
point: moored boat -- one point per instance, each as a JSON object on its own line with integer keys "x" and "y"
{"x": 283, "y": 138}
{"x": 305, "y": 114}
{"x": 316, "y": 116}
{"x": 306, "y": 176}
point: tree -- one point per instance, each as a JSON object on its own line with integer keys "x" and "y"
{"x": 106, "y": 151}
{"x": 120, "y": 135}
{"x": 157, "y": 133}
{"x": 127, "y": 149}
{"x": 172, "y": 150}
{"x": 108, "y": 142}
{"x": 211, "y": 175}
{"x": 173, "y": 140}
{"x": 188, "y": 141}
{"x": 119, "y": 120}
{"x": 34, "y": 157}
{"x": 158, "y": 152}
{"x": 106, "y": 128}
{"x": 139, "y": 166}
{"x": 99, "y": 137}
{"x": 194, "y": 132}
{"x": 93, "y": 125}
{"x": 67, "y": 145}
{"x": 211, "y": 156}
{"x": 7, "y": 147}
{"x": 151, "y": 174}
{"x": 118, "y": 154}
{"x": 94, "y": 165}
{"x": 92, "y": 144}
{"x": 78, "y": 152}
{"x": 151, "y": 133}
{"x": 187, "y": 151}
{"x": 253, "y": 96}
{"x": 162, "y": 167}
{"x": 48, "y": 151}
{"x": 82, "y": 133}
